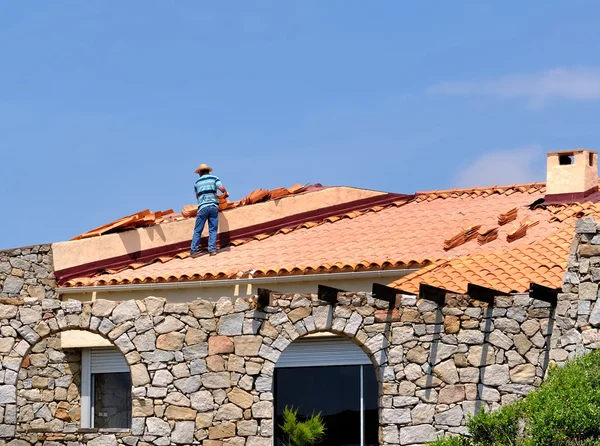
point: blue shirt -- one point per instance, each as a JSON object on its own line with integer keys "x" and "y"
{"x": 206, "y": 187}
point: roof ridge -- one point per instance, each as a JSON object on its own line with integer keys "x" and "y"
{"x": 524, "y": 187}
{"x": 501, "y": 189}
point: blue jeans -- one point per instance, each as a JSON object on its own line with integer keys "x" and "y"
{"x": 210, "y": 213}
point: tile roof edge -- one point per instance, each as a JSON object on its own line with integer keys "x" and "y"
{"x": 365, "y": 266}
{"x": 434, "y": 265}
{"x": 481, "y": 188}
{"x": 225, "y": 238}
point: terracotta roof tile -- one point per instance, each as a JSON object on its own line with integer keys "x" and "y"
{"x": 508, "y": 216}
{"x": 148, "y": 218}
{"x": 520, "y": 231}
{"x": 487, "y": 235}
{"x": 435, "y": 231}
{"x": 543, "y": 262}
{"x": 465, "y": 235}
{"x": 142, "y": 218}
{"x": 405, "y": 234}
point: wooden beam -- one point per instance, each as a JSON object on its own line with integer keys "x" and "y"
{"x": 483, "y": 294}
{"x": 544, "y": 293}
{"x": 386, "y": 293}
{"x": 263, "y": 298}
{"x": 433, "y": 293}
{"x": 328, "y": 293}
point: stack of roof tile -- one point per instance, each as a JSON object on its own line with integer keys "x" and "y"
{"x": 487, "y": 235}
{"x": 260, "y": 195}
{"x": 148, "y": 218}
{"x": 465, "y": 235}
{"x": 137, "y": 220}
{"x": 521, "y": 230}
{"x": 507, "y": 217}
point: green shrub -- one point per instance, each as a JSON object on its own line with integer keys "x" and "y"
{"x": 452, "y": 441}
{"x": 588, "y": 442}
{"x": 499, "y": 428}
{"x": 564, "y": 411}
{"x": 567, "y": 405}
{"x": 301, "y": 433}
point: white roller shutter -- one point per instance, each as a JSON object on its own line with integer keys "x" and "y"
{"x": 322, "y": 352}
{"x": 107, "y": 360}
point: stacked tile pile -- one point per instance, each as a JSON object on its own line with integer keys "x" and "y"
{"x": 487, "y": 235}
{"x": 508, "y": 216}
{"x": 138, "y": 220}
{"x": 465, "y": 235}
{"x": 521, "y": 230}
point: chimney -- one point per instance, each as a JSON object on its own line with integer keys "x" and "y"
{"x": 571, "y": 175}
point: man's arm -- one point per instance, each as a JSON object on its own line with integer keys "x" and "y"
{"x": 221, "y": 187}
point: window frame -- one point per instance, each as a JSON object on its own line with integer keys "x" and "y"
{"x": 87, "y": 389}
{"x": 307, "y": 356}
{"x": 86, "y": 420}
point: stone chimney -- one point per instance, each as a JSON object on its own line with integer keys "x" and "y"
{"x": 571, "y": 175}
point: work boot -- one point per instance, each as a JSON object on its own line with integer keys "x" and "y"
{"x": 193, "y": 255}
{"x": 213, "y": 253}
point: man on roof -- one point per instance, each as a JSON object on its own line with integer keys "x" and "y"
{"x": 206, "y": 188}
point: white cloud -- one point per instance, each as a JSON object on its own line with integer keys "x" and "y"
{"x": 521, "y": 165}
{"x": 578, "y": 84}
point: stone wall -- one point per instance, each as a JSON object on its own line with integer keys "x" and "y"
{"x": 27, "y": 273}
{"x": 578, "y": 310}
{"x": 202, "y": 372}
{"x": 49, "y": 387}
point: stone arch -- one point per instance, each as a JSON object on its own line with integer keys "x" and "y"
{"x": 359, "y": 380}
{"x": 33, "y": 323}
{"x": 50, "y": 384}
{"x": 322, "y": 318}
{"x": 310, "y": 316}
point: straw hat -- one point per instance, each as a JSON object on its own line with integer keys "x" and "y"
{"x": 202, "y": 167}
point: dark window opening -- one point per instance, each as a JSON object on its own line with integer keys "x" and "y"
{"x": 591, "y": 159}
{"x": 112, "y": 400}
{"x": 566, "y": 160}
{"x": 335, "y": 392}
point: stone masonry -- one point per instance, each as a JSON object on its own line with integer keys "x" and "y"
{"x": 27, "y": 272}
{"x": 202, "y": 372}
{"x": 49, "y": 387}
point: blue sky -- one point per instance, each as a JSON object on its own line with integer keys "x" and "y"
{"x": 106, "y": 108}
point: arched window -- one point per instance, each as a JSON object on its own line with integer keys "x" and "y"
{"x": 105, "y": 389}
{"x": 332, "y": 376}
{"x": 62, "y": 385}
